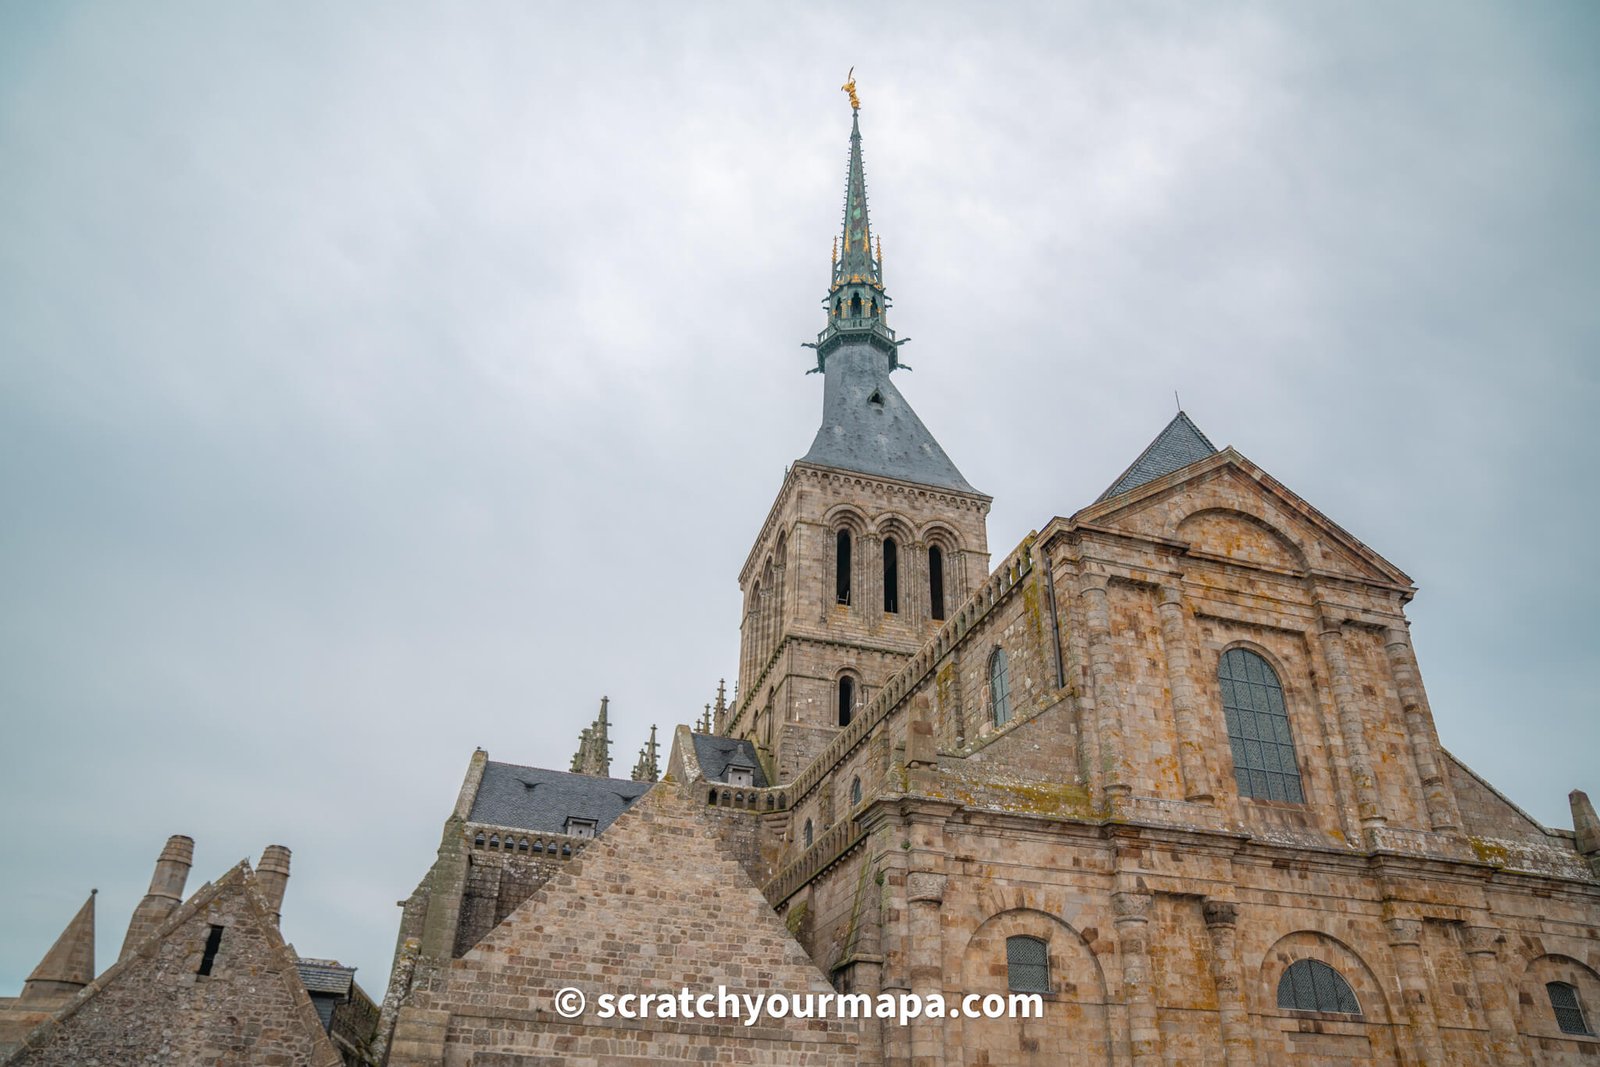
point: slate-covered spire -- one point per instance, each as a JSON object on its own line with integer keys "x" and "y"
{"x": 69, "y": 965}
{"x": 856, "y": 302}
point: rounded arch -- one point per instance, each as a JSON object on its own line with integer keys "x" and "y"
{"x": 1261, "y": 737}
{"x": 1537, "y": 1014}
{"x": 938, "y": 532}
{"x": 847, "y": 517}
{"x": 1241, "y": 535}
{"x": 848, "y": 697}
{"x": 896, "y": 525}
{"x": 1325, "y": 948}
{"x": 1076, "y": 1011}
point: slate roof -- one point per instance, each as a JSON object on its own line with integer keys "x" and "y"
{"x": 1174, "y": 448}
{"x": 325, "y": 976}
{"x": 882, "y": 437}
{"x": 717, "y": 754}
{"x": 531, "y": 798}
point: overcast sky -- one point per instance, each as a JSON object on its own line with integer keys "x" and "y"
{"x": 378, "y": 381}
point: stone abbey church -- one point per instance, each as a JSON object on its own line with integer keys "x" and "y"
{"x": 1168, "y": 763}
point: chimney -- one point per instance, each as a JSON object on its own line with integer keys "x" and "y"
{"x": 1585, "y": 827}
{"x": 166, "y": 892}
{"x": 272, "y": 879}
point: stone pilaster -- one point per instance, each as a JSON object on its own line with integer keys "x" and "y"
{"x": 1405, "y": 943}
{"x": 1351, "y": 729}
{"x": 1443, "y": 815}
{"x": 1185, "y": 701}
{"x": 1116, "y": 775}
{"x": 1132, "y": 910}
{"x": 1482, "y": 947}
{"x": 1221, "y": 918}
{"x": 925, "y": 896}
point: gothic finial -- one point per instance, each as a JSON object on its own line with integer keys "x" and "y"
{"x": 834, "y": 259}
{"x": 849, "y": 86}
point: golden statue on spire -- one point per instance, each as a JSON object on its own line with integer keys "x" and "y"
{"x": 849, "y": 86}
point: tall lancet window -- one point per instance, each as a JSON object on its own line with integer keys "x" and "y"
{"x": 935, "y": 583}
{"x": 999, "y": 688}
{"x": 841, "y": 567}
{"x": 891, "y": 575}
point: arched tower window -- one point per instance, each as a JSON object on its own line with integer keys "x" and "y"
{"x": 1027, "y": 965}
{"x": 1569, "y": 1013}
{"x": 1258, "y": 728}
{"x": 1311, "y": 985}
{"x": 841, "y": 567}
{"x": 855, "y": 306}
{"x": 891, "y": 576}
{"x": 999, "y": 687}
{"x": 847, "y": 700}
{"x": 935, "y": 582}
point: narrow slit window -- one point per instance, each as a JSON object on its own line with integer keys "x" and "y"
{"x": 999, "y": 687}
{"x": 209, "y": 958}
{"x": 855, "y": 791}
{"x": 808, "y": 834}
{"x": 847, "y": 700}
{"x": 935, "y": 583}
{"x": 1569, "y": 1012}
{"x": 1027, "y": 965}
{"x": 1264, "y": 764}
{"x": 891, "y": 576}
{"x": 841, "y": 567}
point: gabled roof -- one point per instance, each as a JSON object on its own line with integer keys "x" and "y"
{"x": 716, "y": 754}
{"x": 867, "y": 426}
{"x": 325, "y": 976}
{"x": 532, "y": 798}
{"x": 1178, "y": 445}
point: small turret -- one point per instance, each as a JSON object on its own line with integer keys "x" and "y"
{"x": 272, "y": 879}
{"x": 166, "y": 892}
{"x": 69, "y": 965}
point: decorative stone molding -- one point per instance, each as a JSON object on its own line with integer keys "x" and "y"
{"x": 925, "y": 886}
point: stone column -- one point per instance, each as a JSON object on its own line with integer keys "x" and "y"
{"x": 1115, "y": 773}
{"x": 1405, "y": 942}
{"x": 1494, "y": 985}
{"x": 1238, "y": 1047}
{"x": 924, "y": 896}
{"x": 1443, "y": 815}
{"x": 1351, "y": 729}
{"x": 1185, "y": 702}
{"x": 1132, "y": 911}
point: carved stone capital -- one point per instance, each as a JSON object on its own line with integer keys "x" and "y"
{"x": 1220, "y": 914}
{"x": 1404, "y": 931}
{"x": 925, "y": 886}
{"x": 1131, "y": 907}
{"x": 1482, "y": 940}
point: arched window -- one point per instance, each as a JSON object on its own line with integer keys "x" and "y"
{"x": 999, "y": 687}
{"x": 891, "y": 576}
{"x": 1569, "y": 1013}
{"x": 1258, "y": 728}
{"x": 847, "y": 700}
{"x": 935, "y": 582}
{"x": 841, "y": 567}
{"x": 806, "y": 834}
{"x": 855, "y": 790}
{"x": 1027, "y": 965}
{"x": 855, "y": 306}
{"x": 1311, "y": 985}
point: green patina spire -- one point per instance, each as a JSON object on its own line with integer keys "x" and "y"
{"x": 856, "y": 300}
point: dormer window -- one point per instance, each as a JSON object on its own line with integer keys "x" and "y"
{"x": 741, "y": 776}
{"x": 580, "y": 827}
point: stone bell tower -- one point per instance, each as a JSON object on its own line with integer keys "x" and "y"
{"x": 875, "y": 536}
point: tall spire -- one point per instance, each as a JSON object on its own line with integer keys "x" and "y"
{"x": 594, "y": 746}
{"x": 69, "y": 965}
{"x": 856, "y": 300}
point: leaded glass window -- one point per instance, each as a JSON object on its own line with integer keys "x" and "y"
{"x": 1027, "y": 965}
{"x": 1569, "y": 1013}
{"x": 1311, "y": 985}
{"x": 1258, "y": 728}
{"x": 999, "y": 687}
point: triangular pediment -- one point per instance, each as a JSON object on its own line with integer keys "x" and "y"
{"x": 1224, "y": 506}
